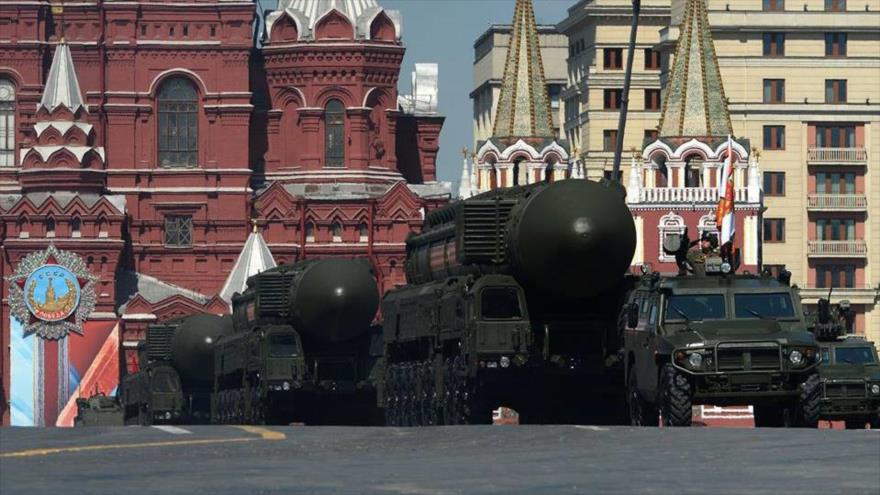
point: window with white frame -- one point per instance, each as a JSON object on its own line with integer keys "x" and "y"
{"x": 7, "y": 123}
{"x": 670, "y": 225}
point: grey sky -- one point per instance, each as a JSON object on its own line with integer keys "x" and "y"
{"x": 444, "y": 31}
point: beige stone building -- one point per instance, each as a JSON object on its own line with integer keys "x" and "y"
{"x": 803, "y": 84}
{"x": 490, "y": 54}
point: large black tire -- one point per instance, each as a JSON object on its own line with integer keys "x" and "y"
{"x": 641, "y": 412}
{"x": 676, "y": 402}
{"x": 769, "y": 416}
{"x": 807, "y": 410}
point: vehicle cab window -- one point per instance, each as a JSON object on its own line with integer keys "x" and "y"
{"x": 853, "y": 355}
{"x": 775, "y": 305}
{"x": 825, "y": 355}
{"x": 282, "y": 345}
{"x": 694, "y": 307}
{"x": 500, "y": 303}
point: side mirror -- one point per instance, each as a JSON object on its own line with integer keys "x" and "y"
{"x": 632, "y": 315}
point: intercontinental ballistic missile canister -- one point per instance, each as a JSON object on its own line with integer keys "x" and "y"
{"x": 330, "y": 300}
{"x": 192, "y": 346}
{"x": 569, "y": 239}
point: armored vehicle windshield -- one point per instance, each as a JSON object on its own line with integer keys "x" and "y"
{"x": 849, "y": 355}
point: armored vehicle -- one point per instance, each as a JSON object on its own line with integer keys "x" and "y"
{"x": 303, "y": 348}
{"x": 849, "y": 370}
{"x": 719, "y": 339}
{"x": 512, "y": 300}
{"x": 98, "y": 410}
{"x": 174, "y": 383}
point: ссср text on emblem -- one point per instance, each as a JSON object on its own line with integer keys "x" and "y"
{"x": 52, "y": 293}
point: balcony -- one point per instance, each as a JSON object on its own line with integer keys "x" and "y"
{"x": 855, "y": 295}
{"x": 688, "y": 195}
{"x": 837, "y": 156}
{"x": 838, "y": 249}
{"x": 837, "y": 202}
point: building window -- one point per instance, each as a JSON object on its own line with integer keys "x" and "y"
{"x": 774, "y": 90}
{"x": 613, "y": 99}
{"x": 553, "y": 91}
{"x": 613, "y": 58}
{"x": 363, "y": 233}
{"x": 7, "y": 123}
{"x": 835, "y": 91}
{"x": 774, "y": 230}
{"x": 836, "y": 136}
{"x": 609, "y": 140}
{"x": 651, "y": 135}
{"x": 76, "y": 227}
{"x": 652, "y": 59}
{"x": 835, "y": 5}
{"x": 843, "y": 276}
{"x": 336, "y": 231}
{"x": 835, "y": 44}
{"x": 178, "y": 231}
{"x": 774, "y": 44}
{"x": 310, "y": 232}
{"x": 774, "y": 137}
{"x": 334, "y": 134}
{"x": 835, "y": 183}
{"x": 178, "y": 124}
{"x": 835, "y": 229}
{"x": 50, "y": 227}
{"x": 652, "y": 99}
{"x": 774, "y": 5}
{"x": 774, "y": 183}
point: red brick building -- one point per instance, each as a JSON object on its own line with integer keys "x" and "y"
{"x": 166, "y": 128}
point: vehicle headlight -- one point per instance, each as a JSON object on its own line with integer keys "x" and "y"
{"x": 285, "y": 386}
{"x": 796, "y": 357}
{"x": 168, "y": 415}
{"x": 695, "y": 360}
{"x": 875, "y": 389}
{"x": 725, "y": 267}
{"x": 504, "y": 362}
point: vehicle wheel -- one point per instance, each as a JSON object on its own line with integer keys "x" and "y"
{"x": 807, "y": 410}
{"x": 641, "y": 412}
{"x": 675, "y": 397}
{"x": 855, "y": 424}
{"x": 769, "y": 416}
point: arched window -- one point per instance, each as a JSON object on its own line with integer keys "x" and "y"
{"x": 178, "y": 124}
{"x": 334, "y": 134}
{"x": 336, "y": 229}
{"x": 76, "y": 227}
{"x": 363, "y": 233}
{"x": 7, "y": 123}
{"x": 670, "y": 224}
{"x": 50, "y": 227}
{"x": 310, "y": 232}
{"x": 693, "y": 170}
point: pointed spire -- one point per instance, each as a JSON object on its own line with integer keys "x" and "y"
{"x": 255, "y": 257}
{"x": 62, "y": 86}
{"x": 524, "y": 106}
{"x": 695, "y": 105}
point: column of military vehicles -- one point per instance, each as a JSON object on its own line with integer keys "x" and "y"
{"x": 517, "y": 297}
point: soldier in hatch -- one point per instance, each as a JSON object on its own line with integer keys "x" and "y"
{"x": 696, "y": 257}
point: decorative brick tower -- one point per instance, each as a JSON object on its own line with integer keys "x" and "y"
{"x": 524, "y": 148}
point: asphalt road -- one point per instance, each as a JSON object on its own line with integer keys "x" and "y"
{"x": 440, "y": 460}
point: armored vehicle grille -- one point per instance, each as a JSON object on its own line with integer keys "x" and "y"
{"x": 485, "y": 230}
{"x": 845, "y": 390}
{"x": 273, "y": 289}
{"x": 759, "y": 358}
{"x": 159, "y": 342}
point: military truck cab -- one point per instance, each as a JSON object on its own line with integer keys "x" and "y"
{"x": 720, "y": 340}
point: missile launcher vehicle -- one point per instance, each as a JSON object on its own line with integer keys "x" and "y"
{"x": 303, "y": 349}
{"x": 720, "y": 339}
{"x": 512, "y": 300}
{"x": 849, "y": 371}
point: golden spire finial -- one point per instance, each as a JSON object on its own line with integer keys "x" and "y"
{"x": 254, "y": 225}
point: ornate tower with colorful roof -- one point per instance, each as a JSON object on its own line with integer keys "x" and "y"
{"x": 524, "y": 147}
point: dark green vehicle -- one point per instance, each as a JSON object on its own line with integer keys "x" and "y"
{"x": 303, "y": 349}
{"x": 512, "y": 300}
{"x": 849, "y": 370}
{"x": 98, "y": 410}
{"x": 173, "y": 385}
{"x": 720, "y": 339}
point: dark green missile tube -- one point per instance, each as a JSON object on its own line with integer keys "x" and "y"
{"x": 567, "y": 240}
{"x": 192, "y": 347}
{"x": 333, "y": 300}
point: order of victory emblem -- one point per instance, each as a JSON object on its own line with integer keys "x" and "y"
{"x": 52, "y": 293}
